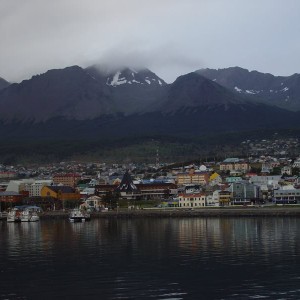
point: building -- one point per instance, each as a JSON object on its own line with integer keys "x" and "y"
{"x": 192, "y": 200}
{"x": 213, "y": 199}
{"x": 286, "y": 170}
{"x": 8, "y": 199}
{"x": 35, "y": 188}
{"x": 194, "y": 177}
{"x": 7, "y": 174}
{"x": 19, "y": 185}
{"x": 157, "y": 190}
{"x": 127, "y": 189}
{"x": 282, "y": 196}
{"x": 63, "y": 193}
{"x": 215, "y": 179}
{"x": 224, "y": 198}
{"x": 234, "y": 164}
{"x": 67, "y": 179}
{"x": 244, "y": 193}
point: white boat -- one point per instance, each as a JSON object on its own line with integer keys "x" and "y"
{"x": 77, "y": 215}
{"x": 14, "y": 215}
{"x": 28, "y": 215}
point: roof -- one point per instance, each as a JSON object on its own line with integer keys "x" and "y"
{"x": 61, "y": 188}
{"x": 9, "y": 193}
{"x": 127, "y": 184}
{"x": 214, "y": 176}
{"x": 231, "y": 160}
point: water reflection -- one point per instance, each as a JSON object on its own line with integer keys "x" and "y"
{"x": 215, "y": 258}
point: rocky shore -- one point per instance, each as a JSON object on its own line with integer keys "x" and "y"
{"x": 185, "y": 213}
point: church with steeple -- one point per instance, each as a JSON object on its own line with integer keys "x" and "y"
{"x": 128, "y": 189}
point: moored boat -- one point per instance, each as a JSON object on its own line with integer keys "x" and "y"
{"x": 14, "y": 215}
{"x": 28, "y": 215}
{"x": 77, "y": 215}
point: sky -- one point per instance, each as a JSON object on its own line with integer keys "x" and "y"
{"x": 170, "y": 37}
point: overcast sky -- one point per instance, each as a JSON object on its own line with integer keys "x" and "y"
{"x": 170, "y": 37}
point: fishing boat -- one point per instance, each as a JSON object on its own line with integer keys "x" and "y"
{"x": 78, "y": 215}
{"x": 14, "y": 215}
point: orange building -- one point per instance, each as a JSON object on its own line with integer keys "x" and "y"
{"x": 62, "y": 193}
{"x": 68, "y": 179}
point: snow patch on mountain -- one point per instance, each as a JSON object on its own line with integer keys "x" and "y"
{"x": 130, "y": 76}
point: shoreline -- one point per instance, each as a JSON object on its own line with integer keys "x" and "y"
{"x": 185, "y": 213}
{"x": 181, "y": 213}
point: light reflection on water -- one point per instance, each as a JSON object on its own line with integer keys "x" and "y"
{"x": 198, "y": 258}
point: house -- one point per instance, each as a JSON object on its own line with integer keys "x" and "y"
{"x": 286, "y": 170}
{"x": 215, "y": 179}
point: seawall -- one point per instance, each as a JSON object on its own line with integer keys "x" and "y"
{"x": 184, "y": 213}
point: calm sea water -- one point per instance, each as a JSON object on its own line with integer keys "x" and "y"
{"x": 205, "y": 258}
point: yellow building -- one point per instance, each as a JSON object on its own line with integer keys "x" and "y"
{"x": 201, "y": 178}
{"x": 225, "y": 198}
{"x": 62, "y": 193}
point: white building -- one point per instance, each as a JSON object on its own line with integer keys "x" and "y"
{"x": 33, "y": 187}
{"x": 19, "y": 185}
{"x": 36, "y": 187}
{"x": 213, "y": 199}
{"x": 192, "y": 200}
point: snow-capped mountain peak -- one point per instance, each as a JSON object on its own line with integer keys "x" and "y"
{"x": 131, "y": 76}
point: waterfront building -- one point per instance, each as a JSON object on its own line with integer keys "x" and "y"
{"x": 192, "y": 200}
{"x": 8, "y": 199}
{"x": 213, "y": 199}
{"x": 224, "y": 198}
{"x": 127, "y": 189}
{"x": 244, "y": 193}
{"x": 286, "y": 196}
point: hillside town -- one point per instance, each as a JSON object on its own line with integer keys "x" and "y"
{"x": 257, "y": 180}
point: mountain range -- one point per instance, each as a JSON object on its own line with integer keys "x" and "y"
{"x": 93, "y": 103}
{"x": 281, "y": 91}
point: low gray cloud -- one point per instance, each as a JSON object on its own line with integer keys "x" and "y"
{"x": 170, "y": 37}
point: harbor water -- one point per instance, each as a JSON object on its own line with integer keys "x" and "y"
{"x": 151, "y": 258}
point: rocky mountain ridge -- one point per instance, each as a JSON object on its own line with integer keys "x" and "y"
{"x": 281, "y": 91}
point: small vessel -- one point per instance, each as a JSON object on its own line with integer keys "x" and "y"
{"x": 28, "y": 215}
{"x": 14, "y": 215}
{"x": 78, "y": 215}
